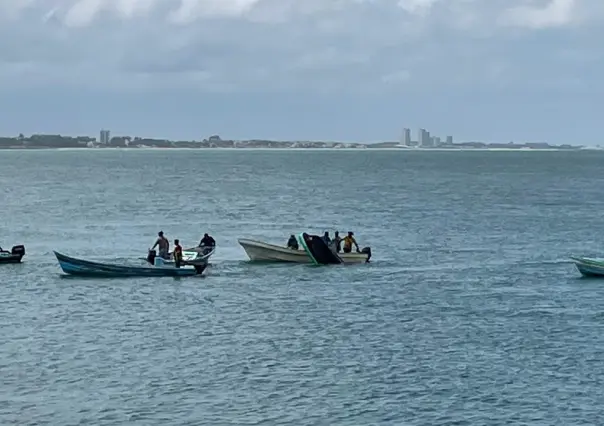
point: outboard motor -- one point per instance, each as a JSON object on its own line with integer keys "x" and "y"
{"x": 151, "y": 257}
{"x": 18, "y": 250}
{"x": 367, "y": 251}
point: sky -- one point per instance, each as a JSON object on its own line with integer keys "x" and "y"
{"x": 345, "y": 70}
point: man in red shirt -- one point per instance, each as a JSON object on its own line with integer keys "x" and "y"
{"x": 177, "y": 253}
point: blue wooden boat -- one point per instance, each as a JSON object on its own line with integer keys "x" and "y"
{"x": 589, "y": 267}
{"x": 80, "y": 267}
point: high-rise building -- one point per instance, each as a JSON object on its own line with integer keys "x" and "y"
{"x": 421, "y": 137}
{"x": 105, "y": 137}
{"x": 449, "y": 140}
{"x": 406, "y": 137}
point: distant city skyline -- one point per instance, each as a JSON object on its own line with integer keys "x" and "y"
{"x": 105, "y": 140}
{"x": 425, "y": 139}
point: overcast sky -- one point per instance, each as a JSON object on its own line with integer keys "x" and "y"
{"x": 356, "y": 70}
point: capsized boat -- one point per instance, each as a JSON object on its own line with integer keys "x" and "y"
{"x": 259, "y": 251}
{"x": 318, "y": 251}
{"x": 13, "y": 256}
{"x": 192, "y": 256}
{"x": 589, "y": 267}
{"x": 80, "y": 267}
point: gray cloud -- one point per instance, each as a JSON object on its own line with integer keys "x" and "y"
{"x": 323, "y": 45}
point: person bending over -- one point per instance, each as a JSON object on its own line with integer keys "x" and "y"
{"x": 207, "y": 241}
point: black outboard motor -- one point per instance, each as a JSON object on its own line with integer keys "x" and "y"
{"x": 151, "y": 257}
{"x": 18, "y": 250}
{"x": 367, "y": 251}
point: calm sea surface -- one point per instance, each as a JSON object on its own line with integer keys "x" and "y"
{"x": 469, "y": 314}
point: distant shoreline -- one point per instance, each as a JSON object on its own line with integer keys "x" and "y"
{"x": 461, "y": 149}
{"x": 38, "y": 141}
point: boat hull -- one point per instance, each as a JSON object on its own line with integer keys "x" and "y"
{"x": 259, "y": 251}
{"x": 589, "y": 267}
{"x": 10, "y": 259}
{"x": 85, "y": 268}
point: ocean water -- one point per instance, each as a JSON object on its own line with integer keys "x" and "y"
{"x": 469, "y": 313}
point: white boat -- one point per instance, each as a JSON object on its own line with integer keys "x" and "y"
{"x": 192, "y": 256}
{"x": 263, "y": 252}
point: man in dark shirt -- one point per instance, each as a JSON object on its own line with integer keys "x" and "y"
{"x": 292, "y": 243}
{"x": 207, "y": 241}
{"x": 326, "y": 238}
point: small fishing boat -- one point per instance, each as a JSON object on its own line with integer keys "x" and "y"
{"x": 192, "y": 256}
{"x": 80, "y": 267}
{"x": 259, "y": 251}
{"x": 589, "y": 267}
{"x": 13, "y": 256}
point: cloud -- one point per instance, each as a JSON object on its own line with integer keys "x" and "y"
{"x": 277, "y": 45}
{"x": 556, "y": 13}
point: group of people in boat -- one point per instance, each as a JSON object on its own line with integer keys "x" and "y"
{"x": 338, "y": 244}
{"x": 163, "y": 245}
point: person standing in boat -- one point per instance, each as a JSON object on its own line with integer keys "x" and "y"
{"x": 164, "y": 245}
{"x": 348, "y": 243}
{"x": 326, "y": 238}
{"x": 177, "y": 254}
{"x": 292, "y": 243}
{"x": 337, "y": 241}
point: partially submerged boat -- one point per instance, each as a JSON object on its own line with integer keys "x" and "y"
{"x": 13, "y": 256}
{"x": 80, "y": 267}
{"x": 259, "y": 251}
{"x": 589, "y": 267}
{"x": 317, "y": 250}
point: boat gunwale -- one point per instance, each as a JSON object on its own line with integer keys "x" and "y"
{"x": 587, "y": 261}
